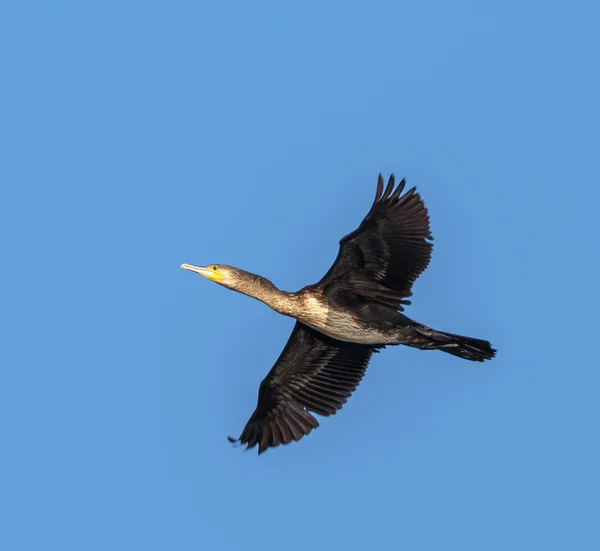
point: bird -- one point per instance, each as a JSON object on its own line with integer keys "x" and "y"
{"x": 354, "y": 311}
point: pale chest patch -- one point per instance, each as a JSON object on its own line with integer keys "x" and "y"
{"x": 315, "y": 307}
{"x": 336, "y": 323}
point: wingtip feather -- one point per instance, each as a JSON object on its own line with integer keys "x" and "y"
{"x": 389, "y": 188}
{"x": 379, "y": 189}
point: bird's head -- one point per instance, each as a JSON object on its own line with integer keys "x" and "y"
{"x": 238, "y": 280}
{"x": 228, "y": 276}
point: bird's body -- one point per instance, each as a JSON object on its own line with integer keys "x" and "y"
{"x": 313, "y": 308}
{"x": 352, "y": 312}
{"x": 338, "y": 321}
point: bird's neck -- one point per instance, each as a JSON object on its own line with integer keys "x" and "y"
{"x": 264, "y": 290}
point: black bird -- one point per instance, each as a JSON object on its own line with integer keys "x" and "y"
{"x": 352, "y": 312}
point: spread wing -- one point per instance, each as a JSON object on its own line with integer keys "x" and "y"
{"x": 389, "y": 250}
{"x": 313, "y": 373}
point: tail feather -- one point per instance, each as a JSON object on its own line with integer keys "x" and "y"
{"x": 469, "y": 348}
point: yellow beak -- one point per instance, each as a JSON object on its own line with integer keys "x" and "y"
{"x": 206, "y": 271}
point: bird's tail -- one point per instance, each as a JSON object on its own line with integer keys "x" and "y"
{"x": 476, "y": 350}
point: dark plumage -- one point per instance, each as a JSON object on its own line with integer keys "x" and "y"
{"x": 313, "y": 373}
{"x": 390, "y": 249}
{"x": 352, "y": 312}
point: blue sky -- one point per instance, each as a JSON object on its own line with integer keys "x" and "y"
{"x": 135, "y": 136}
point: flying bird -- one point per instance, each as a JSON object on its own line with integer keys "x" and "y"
{"x": 354, "y": 311}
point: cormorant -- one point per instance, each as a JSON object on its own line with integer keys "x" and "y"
{"x": 352, "y": 312}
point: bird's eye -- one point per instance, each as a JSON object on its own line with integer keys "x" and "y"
{"x": 215, "y": 268}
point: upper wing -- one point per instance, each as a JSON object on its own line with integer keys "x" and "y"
{"x": 313, "y": 373}
{"x": 389, "y": 250}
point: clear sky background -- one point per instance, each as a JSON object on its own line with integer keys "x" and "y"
{"x": 135, "y": 136}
